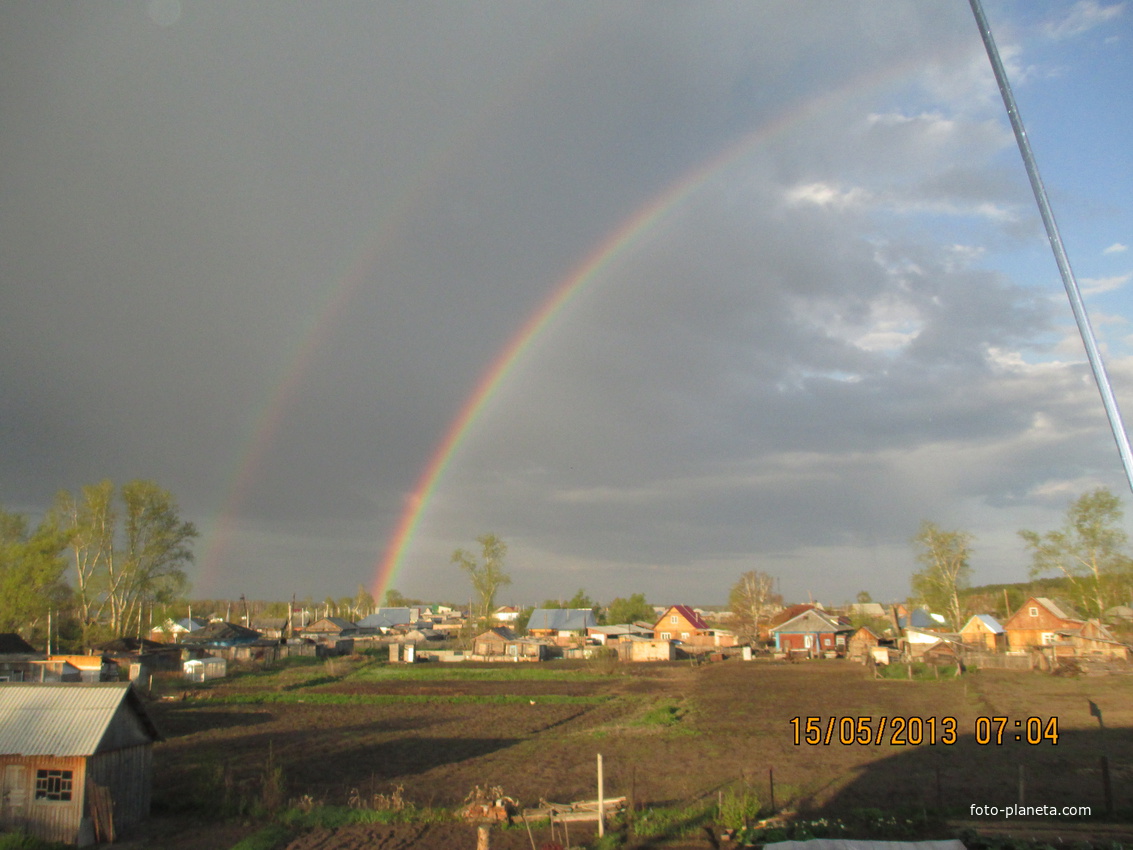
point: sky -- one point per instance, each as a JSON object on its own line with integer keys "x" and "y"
{"x": 658, "y": 293}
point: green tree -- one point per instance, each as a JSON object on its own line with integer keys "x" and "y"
{"x": 487, "y": 575}
{"x": 752, "y": 600}
{"x": 630, "y": 610}
{"x": 1089, "y": 549}
{"x": 363, "y": 602}
{"x": 944, "y": 556}
{"x": 32, "y": 568}
{"x": 129, "y": 552}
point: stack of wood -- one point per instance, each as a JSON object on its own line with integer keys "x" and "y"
{"x": 584, "y": 810}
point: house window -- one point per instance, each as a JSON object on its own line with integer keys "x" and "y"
{"x": 1049, "y": 638}
{"x": 1034, "y": 612}
{"x": 684, "y": 635}
{"x": 673, "y": 619}
{"x": 666, "y": 636}
{"x": 53, "y": 784}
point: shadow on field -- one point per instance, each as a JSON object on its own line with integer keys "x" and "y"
{"x": 953, "y": 778}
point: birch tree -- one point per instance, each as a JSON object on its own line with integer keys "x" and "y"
{"x": 1089, "y": 549}
{"x": 752, "y": 601}
{"x": 944, "y": 555}
{"x": 487, "y": 575}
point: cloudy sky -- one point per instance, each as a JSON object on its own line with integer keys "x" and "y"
{"x": 657, "y": 292}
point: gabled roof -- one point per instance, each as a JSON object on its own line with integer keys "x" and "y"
{"x": 811, "y": 620}
{"x": 221, "y": 633}
{"x": 12, "y": 644}
{"x": 987, "y": 620}
{"x": 339, "y": 623}
{"x": 72, "y": 719}
{"x": 502, "y": 632}
{"x": 694, "y": 619}
{"x": 561, "y": 619}
{"x": 384, "y": 618}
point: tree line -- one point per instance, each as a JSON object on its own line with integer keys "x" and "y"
{"x": 1088, "y": 553}
{"x": 126, "y": 548}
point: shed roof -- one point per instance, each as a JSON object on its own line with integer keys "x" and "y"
{"x": 71, "y": 719}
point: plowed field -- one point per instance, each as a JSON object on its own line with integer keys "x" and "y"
{"x": 669, "y": 734}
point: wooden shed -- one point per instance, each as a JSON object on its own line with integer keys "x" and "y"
{"x": 76, "y": 761}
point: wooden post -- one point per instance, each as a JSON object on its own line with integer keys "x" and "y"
{"x": 481, "y": 838}
{"x": 1107, "y": 786}
{"x": 771, "y": 782}
{"x": 601, "y": 800}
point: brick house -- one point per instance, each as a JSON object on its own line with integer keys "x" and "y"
{"x": 679, "y": 622}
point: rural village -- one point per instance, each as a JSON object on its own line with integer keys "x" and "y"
{"x": 78, "y": 731}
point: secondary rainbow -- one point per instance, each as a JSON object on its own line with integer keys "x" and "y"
{"x": 626, "y": 236}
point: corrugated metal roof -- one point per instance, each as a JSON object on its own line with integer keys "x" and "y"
{"x": 57, "y": 719}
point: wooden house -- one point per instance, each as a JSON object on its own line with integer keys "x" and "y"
{"x": 75, "y": 760}
{"x": 330, "y": 629}
{"x": 860, "y": 644}
{"x": 92, "y": 668}
{"x": 16, "y": 655}
{"x": 811, "y": 634}
{"x": 679, "y": 622}
{"x": 1038, "y": 622}
{"x": 983, "y": 631}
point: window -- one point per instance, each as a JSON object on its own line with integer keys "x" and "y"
{"x": 1034, "y": 612}
{"x": 53, "y": 784}
{"x": 673, "y": 619}
{"x": 684, "y": 635}
{"x": 666, "y": 636}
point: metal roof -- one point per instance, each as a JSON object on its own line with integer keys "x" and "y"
{"x": 66, "y": 719}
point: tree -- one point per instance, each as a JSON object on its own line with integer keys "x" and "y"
{"x": 31, "y": 574}
{"x": 944, "y": 555}
{"x": 487, "y": 576}
{"x": 129, "y": 553}
{"x": 630, "y": 610}
{"x": 752, "y": 599}
{"x": 1089, "y": 549}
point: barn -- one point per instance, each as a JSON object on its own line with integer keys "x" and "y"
{"x": 76, "y": 760}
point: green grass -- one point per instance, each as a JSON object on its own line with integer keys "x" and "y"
{"x": 460, "y": 673}
{"x": 22, "y": 841}
{"x": 269, "y": 838}
{"x": 292, "y": 697}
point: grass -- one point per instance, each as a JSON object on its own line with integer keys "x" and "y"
{"x": 293, "y": 697}
{"x": 22, "y": 841}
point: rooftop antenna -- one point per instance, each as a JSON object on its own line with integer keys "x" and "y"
{"x": 1068, "y": 281}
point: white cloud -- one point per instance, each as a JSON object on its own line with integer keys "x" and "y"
{"x": 1116, "y": 248}
{"x": 1083, "y": 17}
{"x": 1098, "y": 285}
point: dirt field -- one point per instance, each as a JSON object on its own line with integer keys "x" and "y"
{"x": 670, "y": 735}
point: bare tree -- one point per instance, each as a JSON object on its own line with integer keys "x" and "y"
{"x": 752, "y": 601}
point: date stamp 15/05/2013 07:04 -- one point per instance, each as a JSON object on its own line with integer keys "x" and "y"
{"x": 915, "y": 730}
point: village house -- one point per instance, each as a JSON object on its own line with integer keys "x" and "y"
{"x": 385, "y": 619}
{"x": 1037, "y": 622}
{"x": 76, "y": 760}
{"x": 811, "y": 634}
{"x": 174, "y": 630}
{"x": 563, "y": 626}
{"x": 92, "y": 668}
{"x": 860, "y": 644}
{"x": 506, "y": 615}
{"x": 502, "y": 644}
{"x": 679, "y": 622}
{"x": 983, "y": 631}
{"x": 15, "y": 655}
{"x": 330, "y": 629}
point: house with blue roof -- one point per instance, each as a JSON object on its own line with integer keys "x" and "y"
{"x": 561, "y": 623}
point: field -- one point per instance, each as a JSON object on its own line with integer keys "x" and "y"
{"x": 676, "y": 739}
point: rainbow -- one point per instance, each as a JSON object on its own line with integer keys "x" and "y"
{"x": 624, "y": 238}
